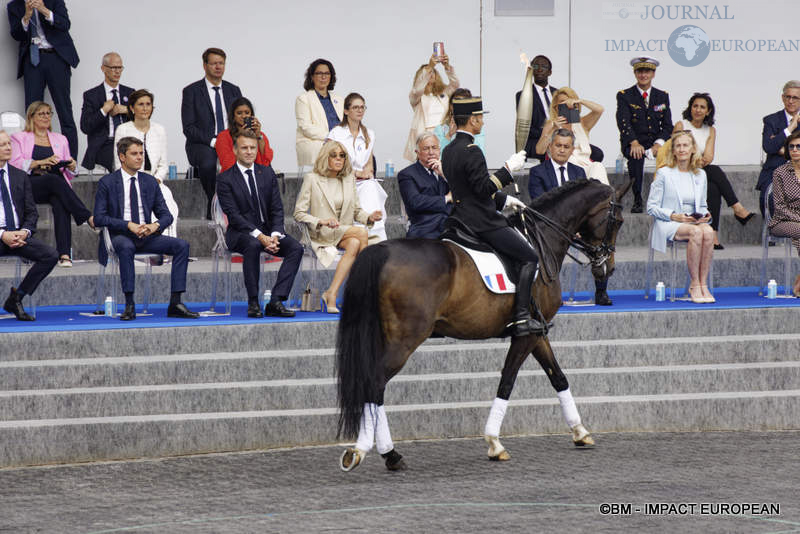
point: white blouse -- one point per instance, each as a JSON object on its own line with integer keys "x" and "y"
{"x": 359, "y": 151}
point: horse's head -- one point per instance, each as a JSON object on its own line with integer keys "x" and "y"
{"x": 599, "y": 228}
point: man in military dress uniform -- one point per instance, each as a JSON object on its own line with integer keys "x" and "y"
{"x": 477, "y": 197}
{"x": 644, "y": 121}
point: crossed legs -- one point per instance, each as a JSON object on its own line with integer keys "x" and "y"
{"x": 353, "y": 241}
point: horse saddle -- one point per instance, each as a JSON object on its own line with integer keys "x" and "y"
{"x": 459, "y": 233}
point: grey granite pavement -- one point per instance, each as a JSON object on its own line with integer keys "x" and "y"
{"x": 450, "y": 486}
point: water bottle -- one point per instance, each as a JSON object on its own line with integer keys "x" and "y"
{"x": 389, "y": 172}
{"x": 620, "y": 168}
{"x": 772, "y": 289}
{"x": 173, "y": 170}
{"x": 267, "y": 296}
{"x": 108, "y": 303}
{"x": 661, "y": 292}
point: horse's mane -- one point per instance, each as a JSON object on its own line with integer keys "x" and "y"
{"x": 554, "y": 195}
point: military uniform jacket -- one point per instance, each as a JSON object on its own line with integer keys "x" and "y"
{"x": 645, "y": 124}
{"x": 477, "y": 196}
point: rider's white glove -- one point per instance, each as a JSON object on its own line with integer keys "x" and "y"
{"x": 515, "y": 203}
{"x": 516, "y": 162}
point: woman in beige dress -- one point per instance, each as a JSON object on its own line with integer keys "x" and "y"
{"x": 328, "y": 204}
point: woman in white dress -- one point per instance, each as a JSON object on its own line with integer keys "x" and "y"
{"x": 698, "y": 118}
{"x": 359, "y": 142}
{"x": 154, "y": 138}
{"x": 581, "y": 156}
{"x": 429, "y": 98}
{"x": 677, "y": 202}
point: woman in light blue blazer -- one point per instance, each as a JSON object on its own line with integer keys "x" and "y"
{"x": 678, "y": 205}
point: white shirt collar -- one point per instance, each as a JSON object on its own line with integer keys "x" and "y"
{"x": 242, "y": 168}
{"x": 127, "y": 177}
{"x": 558, "y": 173}
{"x": 641, "y": 91}
{"x": 5, "y": 168}
{"x": 108, "y": 88}
{"x": 788, "y": 116}
{"x": 211, "y": 86}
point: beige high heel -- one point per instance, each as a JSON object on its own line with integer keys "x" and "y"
{"x": 710, "y": 299}
{"x": 697, "y": 300}
{"x": 327, "y": 308}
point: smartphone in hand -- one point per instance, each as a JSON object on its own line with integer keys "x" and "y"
{"x": 571, "y": 114}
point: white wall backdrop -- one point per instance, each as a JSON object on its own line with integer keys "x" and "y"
{"x": 270, "y": 43}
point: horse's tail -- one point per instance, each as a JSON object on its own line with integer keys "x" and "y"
{"x": 360, "y": 340}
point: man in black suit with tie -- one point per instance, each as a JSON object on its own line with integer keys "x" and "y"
{"x": 542, "y": 69}
{"x": 104, "y": 108}
{"x": 46, "y": 53}
{"x": 644, "y": 121}
{"x": 124, "y": 202}
{"x": 204, "y": 113}
{"x": 250, "y": 198}
{"x": 556, "y": 172}
{"x": 18, "y": 218}
{"x": 424, "y": 190}
{"x": 777, "y": 127}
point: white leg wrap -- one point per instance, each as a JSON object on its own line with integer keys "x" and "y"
{"x": 366, "y": 430}
{"x": 568, "y": 408}
{"x": 496, "y": 415}
{"x": 383, "y": 438}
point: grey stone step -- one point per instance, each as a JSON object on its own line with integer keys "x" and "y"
{"x": 91, "y": 439}
{"x": 290, "y": 394}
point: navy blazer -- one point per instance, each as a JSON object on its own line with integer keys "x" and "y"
{"x": 197, "y": 111}
{"x": 423, "y": 197}
{"x": 543, "y": 177}
{"x": 538, "y": 115}
{"x": 57, "y": 34}
{"x": 22, "y": 198}
{"x": 94, "y": 124}
{"x": 109, "y": 202}
{"x": 772, "y": 140}
{"x": 235, "y": 200}
{"x": 640, "y": 123}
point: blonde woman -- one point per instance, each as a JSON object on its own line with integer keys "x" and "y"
{"x": 328, "y": 205}
{"x": 446, "y": 130}
{"x": 429, "y": 98}
{"x": 581, "y": 155}
{"x": 679, "y": 207}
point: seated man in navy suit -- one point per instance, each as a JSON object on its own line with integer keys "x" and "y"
{"x": 18, "y": 218}
{"x": 554, "y": 173}
{"x": 124, "y": 203}
{"x": 204, "y": 114}
{"x": 249, "y": 196}
{"x": 425, "y": 192}
{"x": 104, "y": 108}
{"x": 777, "y": 127}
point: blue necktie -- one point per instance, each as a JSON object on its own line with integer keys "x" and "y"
{"x": 7, "y": 206}
{"x": 254, "y": 195}
{"x": 116, "y": 119}
{"x": 134, "y": 201}
{"x": 218, "y": 110}
{"x": 34, "y": 27}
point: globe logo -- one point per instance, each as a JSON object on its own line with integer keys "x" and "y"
{"x": 688, "y": 46}
{"x": 623, "y": 13}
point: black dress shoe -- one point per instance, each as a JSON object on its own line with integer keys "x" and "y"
{"x": 601, "y": 298}
{"x": 129, "y": 314}
{"x": 277, "y": 309}
{"x": 254, "y": 311}
{"x": 719, "y": 246}
{"x": 13, "y": 305}
{"x": 180, "y": 311}
{"x": 637, "y": 206}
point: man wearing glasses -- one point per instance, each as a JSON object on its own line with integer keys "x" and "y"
{"x": 777, "y": 127}
{"x": 542, "y": 68}
{"x": 104, "y": 108}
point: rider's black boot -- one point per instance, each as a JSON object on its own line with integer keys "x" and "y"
{"x": 527, "y": 320}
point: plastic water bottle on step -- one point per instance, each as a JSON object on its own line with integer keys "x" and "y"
{"x": 173, "y": 170}
{"x": 267, "y": 296}
{"x": 661, "y": 292}
{"x": 772, "y": 289}
{"x": 108, "y": 309}
{"x": 620, "y": 167}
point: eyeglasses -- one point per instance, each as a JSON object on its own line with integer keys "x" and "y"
{"x": 338, "y": 155}
{"x": 44, "y": 114}
{"x": 791, "y": 98}
{"x": 322, "y": 74}
{"x": 794, "y": 147}
{"x": 358, "y": 108}
{"x": 115, "y": 69}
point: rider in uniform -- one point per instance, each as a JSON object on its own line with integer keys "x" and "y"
{"x": 477, "y": 199}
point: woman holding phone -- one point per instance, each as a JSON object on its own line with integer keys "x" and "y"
{"x": 679, "y": 208}
{"x": 565, "y": 112}
{"x": 241, "y": 116}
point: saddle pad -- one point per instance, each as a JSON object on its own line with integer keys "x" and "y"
{"x": 491, "y": 269}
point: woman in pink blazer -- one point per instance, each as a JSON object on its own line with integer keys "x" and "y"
{"x": 45, "y": 156}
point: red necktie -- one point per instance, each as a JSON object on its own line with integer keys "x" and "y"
{"x": 644, "y": 96}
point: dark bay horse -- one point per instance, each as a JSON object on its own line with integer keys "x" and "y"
{"x": 403, "y": 291}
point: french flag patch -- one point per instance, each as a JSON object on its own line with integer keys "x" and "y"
{"x": 496, "y": 281}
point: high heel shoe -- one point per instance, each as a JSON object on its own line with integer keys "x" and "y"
{"x": 697, "y": 300}
{"x": 709, "y": 299}
{"x": 327, "y": 308}
{"x": 743, "y": 220}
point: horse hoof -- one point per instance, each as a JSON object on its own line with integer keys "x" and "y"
{"x": 394, "y": 461}
{"x": 502, "y": 457}
{"x": 581, "y": 436}
{"x": 351, "y": 458}
{"x": 496, "y": 453}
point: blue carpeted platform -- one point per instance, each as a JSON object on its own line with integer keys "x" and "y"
{"x": 64, "y": 318}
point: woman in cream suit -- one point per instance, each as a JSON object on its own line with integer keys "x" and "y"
{"x": 678, "y": 205}
{"x": 317, "y": 111}
{"x": 328, "y": 204}
{"x": 154, "y": 137}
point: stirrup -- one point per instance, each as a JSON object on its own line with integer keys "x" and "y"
{"x": 528, "y": 326}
